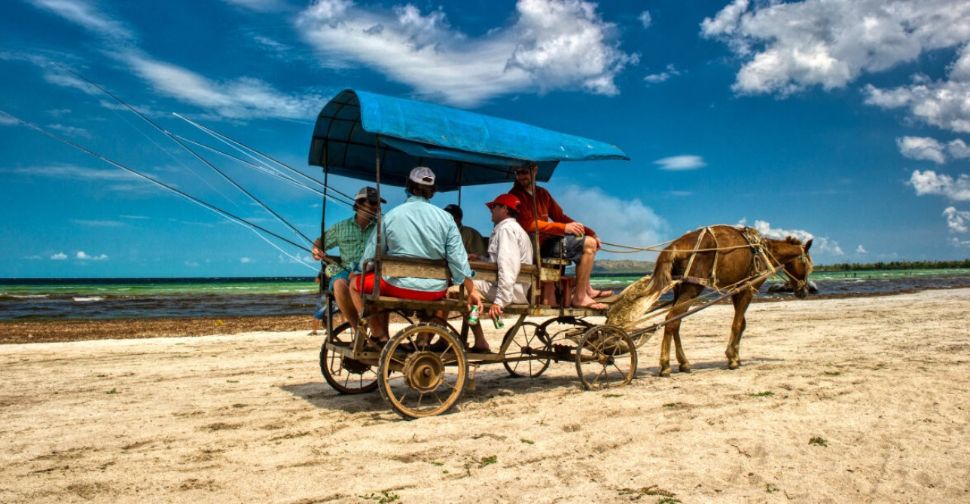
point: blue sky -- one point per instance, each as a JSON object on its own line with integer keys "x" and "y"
{"x": 845, "y": 120}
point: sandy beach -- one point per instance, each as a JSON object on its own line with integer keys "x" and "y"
{"x": 858, "y": 400}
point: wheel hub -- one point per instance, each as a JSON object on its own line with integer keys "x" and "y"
{"x": 424, "y": 371}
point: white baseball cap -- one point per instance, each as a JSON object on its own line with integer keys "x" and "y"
{"x": 422, "y": 175}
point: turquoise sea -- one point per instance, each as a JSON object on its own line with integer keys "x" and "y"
{"x": 22, "y": 299}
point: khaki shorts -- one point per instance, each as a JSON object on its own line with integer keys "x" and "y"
{"x": 520, "y": 292}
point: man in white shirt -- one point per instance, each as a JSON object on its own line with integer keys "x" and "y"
{"x": 509, "y": 247}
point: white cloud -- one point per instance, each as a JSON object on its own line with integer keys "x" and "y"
{"x": 239, "y": 98}
{"x": 98, "y": 223}
{"x": 957, "y": 220}
{"x": 69, "y": 172}
{"x": 84, "y": 14}
{"x": 788, "y": 46}
{"x": 60, "y": 256}
{"x": 70, "y": 130}
{"x": 958, "y": 149}
{"x": 258, "y": 5}
{"x": 924, "y": 148}
{"x": 629, "y": 222}
{"x": 941, "y": 103}
{"x": 7, "y": 119}
{"x": 956, "y": 242}
{"x": 645, "y": 18}
{"x": 929, "y": 182}
{"x": 83, "y": 256}
{"x": 549, "y": 45}
{"x": 860, "y": 250}
{"x": 821, "y": 245}
{"x": 192, "y": 264}
{"x": 245, "y": 260}
{"x": 670, "y": 71}
{"x": 684, "y": 162}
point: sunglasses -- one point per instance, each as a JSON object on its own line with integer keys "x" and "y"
{"x": 522, "y": 171}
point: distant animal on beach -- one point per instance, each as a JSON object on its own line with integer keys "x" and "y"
{"x": 720, "y": 257}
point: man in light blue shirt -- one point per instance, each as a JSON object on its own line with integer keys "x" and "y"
{"x": 417, "y": 229}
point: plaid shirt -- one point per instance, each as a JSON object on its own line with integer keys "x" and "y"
{"x": 350, "y": 239}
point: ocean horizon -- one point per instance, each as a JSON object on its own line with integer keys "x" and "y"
{"x": 177, "y": 297}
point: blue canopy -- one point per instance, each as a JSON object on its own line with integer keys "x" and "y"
{"x": 463, "y": 148}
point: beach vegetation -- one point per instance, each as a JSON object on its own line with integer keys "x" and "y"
{"x": 770, "y": 488}
{"x": 527, "y": 441}
{"x": 385, "y": 497}
{"x": 766, "y": 393}
{"x": 818, "y": 441}
{"x": 894, "y": 265}
{"x": 489, "y": 460}
{"x": 666, "y": 496}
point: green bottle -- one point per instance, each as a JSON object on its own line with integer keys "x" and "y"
{"x": 473, "y": 316}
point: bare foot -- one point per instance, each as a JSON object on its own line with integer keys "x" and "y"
{"x": 588, "y": 302}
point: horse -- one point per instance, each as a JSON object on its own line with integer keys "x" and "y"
{"x": 721, "y": 257}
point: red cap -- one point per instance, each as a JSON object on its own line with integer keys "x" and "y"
{"x": 507, "y": 200}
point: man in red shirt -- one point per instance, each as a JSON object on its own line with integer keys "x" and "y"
{"x": 559, "y": 234}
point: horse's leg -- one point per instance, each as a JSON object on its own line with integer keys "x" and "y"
{"x": 741, "y": 301}
{"x": 688, "y": 294}
{"x": 682, "y": 301}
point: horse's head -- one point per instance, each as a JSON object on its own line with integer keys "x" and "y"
{"x": 799, "y": 267}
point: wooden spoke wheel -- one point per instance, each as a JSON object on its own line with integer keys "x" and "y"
{"x": 606, "y": 357}
{"x": 422, "y": 371}
{"x": 526, "y": 339}
{"x": 345, "y": 375}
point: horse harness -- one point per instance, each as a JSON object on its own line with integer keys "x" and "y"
{"x": 761, "y": 262}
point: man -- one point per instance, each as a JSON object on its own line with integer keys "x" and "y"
{"x": 559, "y": 235}
{"x": 418, "y": 229}
{"x": 470, "y": 238}
{"x": 509, "y": 248}
{"x": 349, "y": 236}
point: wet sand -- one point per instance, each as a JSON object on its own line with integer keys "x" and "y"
{"x": 860, "y": 399}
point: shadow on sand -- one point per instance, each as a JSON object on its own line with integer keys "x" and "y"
{"x": 489, "y": 383}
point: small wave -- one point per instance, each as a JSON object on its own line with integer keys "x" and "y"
{"x": 87, "y": 299}
{"x": 26, "y": 296}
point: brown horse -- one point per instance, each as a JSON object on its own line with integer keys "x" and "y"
{"x": 741, "y": 254}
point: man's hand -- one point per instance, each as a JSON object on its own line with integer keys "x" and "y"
{"x": 495, "y": 310}
{"x": 475, "y": 299}
{"x": 317, "y": 254}
{"x": 575, "y": 228}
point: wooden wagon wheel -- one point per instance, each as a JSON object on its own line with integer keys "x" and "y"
{"x": 422, "y": 371}
{"x": 527, "y": 338}
{"x": 345, "y": 375}
{"x": 606, "y": 357}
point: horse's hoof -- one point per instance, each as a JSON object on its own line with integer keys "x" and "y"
{"x": 664, "y": 373}
{"x": 685, "y": 368}
{"x": 734, "y": 364}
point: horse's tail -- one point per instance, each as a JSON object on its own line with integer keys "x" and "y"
{"x": 638, "y": 297}
{"x": 662, "y": 272}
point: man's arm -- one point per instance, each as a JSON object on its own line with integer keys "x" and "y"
{"x": 508, "y": 266}
{"x": 456, "y": 256}
{"x": 528, "y": 220}
{"x": 571, "y": 226}
{"x": 369, "y": 250}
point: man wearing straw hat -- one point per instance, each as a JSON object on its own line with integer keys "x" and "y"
{"x": 350, "y": 237}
